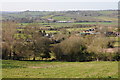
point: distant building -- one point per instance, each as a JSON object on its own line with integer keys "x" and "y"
{"x": 117, "y": 34}
{"x": 110, "y": 50}
{"x": 113, "y": 34}
{"x": 89, "y": 31}
{"x": 50, "y": 19}
{"x": 64, "y": 21}
{"x": 49, "y": 35}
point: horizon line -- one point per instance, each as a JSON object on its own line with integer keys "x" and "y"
{"x": 60, "y": 10}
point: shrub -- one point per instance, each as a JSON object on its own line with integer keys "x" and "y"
{"x": 71, "y": 49}
{"x": 116, "y": 56}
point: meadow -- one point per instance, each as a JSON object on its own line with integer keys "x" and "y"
{"x": 55, "y": 25}
{"x": 42, "y": 69}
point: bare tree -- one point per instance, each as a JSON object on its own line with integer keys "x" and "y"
{"x": 8, "y": 31}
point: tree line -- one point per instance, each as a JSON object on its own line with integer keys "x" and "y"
{"x": 70, "y": 48}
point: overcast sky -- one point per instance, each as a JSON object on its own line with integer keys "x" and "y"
{"x": 57, "y": 5}
{"x": 59, "y": 0}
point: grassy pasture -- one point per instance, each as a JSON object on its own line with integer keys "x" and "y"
{"x": 51, "y": 31}
{"x": 61, "y": 18}
{"x": 68, "y": 24}
{"x": 23, "y": 36}
{"x": 117, "y": 41}
{"x": 107, "y": 12}
{"x": 79, "y": 29}
{"x": 48, "y": 16}
{"x": 107, "y": 18}
{"x": 116, "y": 44}
{"x": 42, "y": 69}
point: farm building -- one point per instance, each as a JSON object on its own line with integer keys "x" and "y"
{"x": 89, "y": 31}
{"x": 64, "y": 21}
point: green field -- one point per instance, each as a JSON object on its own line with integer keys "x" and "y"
{"x": 41, "y": 69}
{"x": 61, "y": 18}
{"x": 78, "y": 29}
{"x": 55, "y": 25}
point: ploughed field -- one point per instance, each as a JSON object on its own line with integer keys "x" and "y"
{"x": 42, "y": 69}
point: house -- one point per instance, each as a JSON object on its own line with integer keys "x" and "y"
{"x": 50, "y": 19}
{"x": 89, "y": 31}
{"x": 49, "y": 35}
{"x": 64, "y": 21}
{"x": 113, "y": 33}
{"x": 110, "y": 50}
{"x": 117, "y": 34}
{"x": 84, "y": 33}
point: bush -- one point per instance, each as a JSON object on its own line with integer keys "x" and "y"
{"x": 97, "y": 45}
{"x": 5, "y": 51}
{"x": 116, "y": 56}
{"x": 71, "y": 49}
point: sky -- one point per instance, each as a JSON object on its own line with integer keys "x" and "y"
{"x": 57, "y": 5}
{"x": 59, "y": 0}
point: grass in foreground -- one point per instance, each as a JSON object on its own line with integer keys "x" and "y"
{"x": 38, "y": 69}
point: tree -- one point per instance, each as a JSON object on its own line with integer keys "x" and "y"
{"x": 40, "y": 44}
{"x": 8, "y": 31}
{"x": 71, "y": 49}
{"x": 5, "y": 51}
{"x": 22, "y": 50}
{"x": 41, "y": 47}
{"x": 97, "y": 45}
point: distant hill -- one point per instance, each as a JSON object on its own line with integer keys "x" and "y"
{"x": 98, "y": 15}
